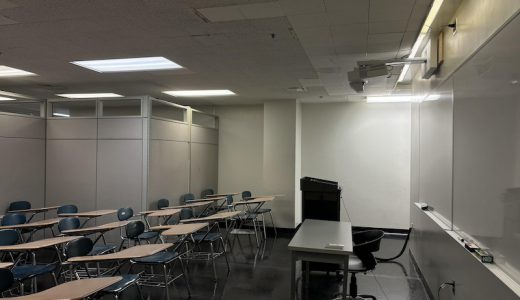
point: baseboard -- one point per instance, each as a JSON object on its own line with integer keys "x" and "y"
{"x": 421, "y": 276}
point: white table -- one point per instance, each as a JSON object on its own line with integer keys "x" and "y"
{"x": 310, "y": 244}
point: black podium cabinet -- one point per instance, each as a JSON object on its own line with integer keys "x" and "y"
{"x": 320, "y": 199}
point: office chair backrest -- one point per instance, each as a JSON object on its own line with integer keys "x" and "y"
{"x": 79, "y": 247}
{"x": 163, "y": 203}
{"x": 13, "y": 219}
{"x": 9, "y": 237}
{"x": 19, "y": 205}
{"x": 186, "y": 213}
{"x": 246, "y": 195}
{"x": 206, "y": 192}
{"x": 68, "y": 224}
{"x": 365, "y": 243}
{"x": 67, "y": 209}
{"x": 125, "y": 213}
{"x": 134, "y": 229}
{"x": 6, "y": 280}
{"x": 188, "y": 196}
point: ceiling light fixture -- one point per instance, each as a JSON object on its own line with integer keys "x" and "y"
{"x": 6, "y": 71}
{"x": 436, "y": 6}
{"x": 128, "y": 64}
{"x": 61, "y": 115}
{"x": 5, "y": 98}
{"x": 389, "y": 99}
{"x": 200, "y": 93}
{"x": 89, "y": 95}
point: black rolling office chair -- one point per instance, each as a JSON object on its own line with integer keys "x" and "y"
{"x": 19, "y": 205}
{"x": 187, "y": 197}
{"x": 83, "y": 246}
{"x": 206, "y": 192}
{"x": 163, "y": 203}
{"x": 67, "y": 209}
{"x": 365, "y": 243}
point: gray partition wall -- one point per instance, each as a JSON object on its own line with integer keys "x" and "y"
{"x": 22, "y": 142}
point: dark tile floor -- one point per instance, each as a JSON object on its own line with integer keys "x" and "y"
{"x": 266, "y": 275}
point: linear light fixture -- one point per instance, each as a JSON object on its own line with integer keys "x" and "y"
{"x": 128, "y": 64}
{"x": 6, "y": 71}
{"x": 5, "y": 98}
{"x": 200, "y": 93}
{"x": 436, "y": 6}
{"x": 389, "y": 99}
{"x": 89, "y": 95}
{"x": 61, "y": 115}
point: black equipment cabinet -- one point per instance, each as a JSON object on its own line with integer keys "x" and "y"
{"x": 321, "y": 200}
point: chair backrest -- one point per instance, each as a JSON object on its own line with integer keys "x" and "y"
{"x": 13, "y": 219}
{"x": 67, "y": 209}
{"x": 246, "y": 195}
{"x": 229, "y": 200}
{"x": 19, "y": 205}
{"x": 367, "y": 240}
{"x": 9, "y": 237}
{"x": 186, "y": 213}
{"x": 68, "y": 224}
{"x": 206, "y": 192}
{"x": 163, "y": 203}
{"x": 6, "y": 280}
{"x": 134, "y": 229}
{"x": 125, "y": 213}
{"x": 79, "y": 247}
{"x": 188, "y": 196}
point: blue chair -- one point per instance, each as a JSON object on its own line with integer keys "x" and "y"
{"x": 8, "y": 237}
{"x": 206, "y": 192}
{"x": 165, "y": 258}
{"x": 21, "y": 273}
{"x": 186, "y": 213}
{"x": 19, "y": 205}
{"x": 83, "y": 246}
{"x": 187, "y": 197}
{"x": 126, "y": 213}
{"x": 246, "y": 195}
{"x": 6, "y": 280}
{"x": 162, "y": 203}
{"x": 74, "y": 223}
{"x": 67, "y": 209}
{"x": 13, "y": 219}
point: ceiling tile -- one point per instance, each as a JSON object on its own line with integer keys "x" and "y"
{"x": 296, "y": 7}
{"x": 261, "y": 10}
{"x": 222, "y": 14}
{"x": 347, "y": 17}
{"x": 347, "y": 5}
{"x": 394, "y": 10}
{"x": 309, "y": 20}
{"x": 387, "y": 27}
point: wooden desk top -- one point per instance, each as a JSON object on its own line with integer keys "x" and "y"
{"x": 164, "y": 212}
{"x": 39, "y": 244}
{"x": 95, "y": 229}
{"x": 265, "y": 196}
{"x": 206, "y": 199}
{"x": 222, "y": 195}
{"x": 5, "y": 265}
{"x": 34, "y": 210}
{"x": 183, "y": 229}
{"x": 161, "y": 227}
{"x": 35, "y": 225}
{"x": 216, "y": 217}
{"x": 315, "y": 235}
{"x": 129, "y": 253}
{"x": 255, "y": 201}
{"x": 90, "y": 214}
{"x": 191, "y": 205}
{"x": 76, "y": 289}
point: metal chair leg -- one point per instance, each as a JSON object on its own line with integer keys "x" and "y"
{"x": 185, "y": 276}
{"x": 213, "y": 261}
{"x": 139, "y": 291}
{"x": 256, "y": 233}
{"x": 263, "y": 224}
{"x": 225, "y": 254}
{"x": 272, "y": 222}
{"x": 166, "y": 282}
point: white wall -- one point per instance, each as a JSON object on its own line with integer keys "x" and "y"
{"x": 366, "y": 148}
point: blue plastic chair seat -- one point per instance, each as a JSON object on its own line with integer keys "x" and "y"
{"x": 148, "y": 235}
{"x": 202, "y": 237}
{"x": 29, "y": 271}
{"x": 158, "y": 258}
{"x": 128, "y": 279}
{"x": 102, "y": 249}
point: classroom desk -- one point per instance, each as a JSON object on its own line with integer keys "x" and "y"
{"x": 213, "y": 199}
{"x": 167, "y": 214}
{"x": 213, "y": 218}
{"x": 33, "y": 211}
{"x": 126, "y": 254}
{"x": 76, "y": 289}
{"x": 310, "y": 244}
{"x": 251, "y": 208}
{"x": 89, "y": 215}
{"x": 184, "y": 229}
{"x": 5, "y": 265}
{"x": 101, "y": 229}
{"x": 222, "y": 195}
{"x": 34, "y": 226}
{"x": 202, "y": 203}
{"x": 36, "y": 245}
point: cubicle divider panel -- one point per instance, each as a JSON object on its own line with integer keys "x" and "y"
{"x": 204, "y": 159}
{"x": 22, "y": 175}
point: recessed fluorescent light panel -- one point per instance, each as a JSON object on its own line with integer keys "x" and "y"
{"x": 200, "y": 93}
{"x": 6, "y": 71}
{"x": 61, "y": 115}
{"x": 90, "y": 95}
{"x": 128, "y": 64}
{"x": 5, "y": 98}
{"x": 389, "y": 99}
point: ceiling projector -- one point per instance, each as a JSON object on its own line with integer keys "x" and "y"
{"x": 374, "y": 68}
